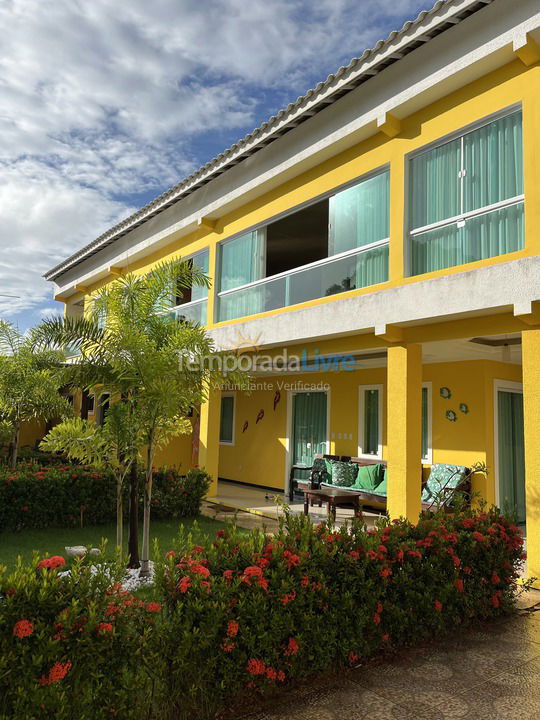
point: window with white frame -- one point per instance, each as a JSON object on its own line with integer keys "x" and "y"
{"x": 466, "y": 200}
{"x": 427, "y": 451}
{"x": 226, "y": 425}
{"x": 370, "y": 421}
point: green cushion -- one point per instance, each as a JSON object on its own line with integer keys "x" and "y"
{"x": 328, "y": 466}
{"x": 441, "y": 479}
{"x": 369, "y": 477}
{"x": 344, "y": 473}
{"x": 381, "y": 488}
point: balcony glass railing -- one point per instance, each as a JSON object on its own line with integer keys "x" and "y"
{"x": 195, "y": 311}
{"x": 350, "y": 270}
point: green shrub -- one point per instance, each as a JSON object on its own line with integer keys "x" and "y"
{"x": 246, "y": 611}
{"x": 61, "y": 495}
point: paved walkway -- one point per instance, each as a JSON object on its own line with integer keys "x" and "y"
{"x": 492, "y": 673}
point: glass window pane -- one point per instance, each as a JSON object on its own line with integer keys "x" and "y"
{"x": 493, "y": 160}
{"x": 371, "y": 422}
{"x": 359, "y": 215}
{"x": 309, "y": 427}
{"x": 495, "y": 233}
{"x": 241, "y": 260}
{"x": 200, "y": 261}
{"x": 435, "y": 192}
{"x": 227, "y": 419}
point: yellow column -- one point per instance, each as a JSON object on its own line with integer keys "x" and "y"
{"x": 404, "y": 430}
{"x": 531, "y": 417}
{"x": 209, "y": 437}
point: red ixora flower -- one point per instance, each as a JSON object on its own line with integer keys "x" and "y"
{"x": 199, "y": 569}
{"x": 184, "y": 584}
{"x": 23, "y": 629}
{"x": 104, "y": 628}
{"x": 221, "y": 533}
{"x": 292, "y": 647}
{"x": 255, "y": 573}
{"x": 255, "y": 667}
{"x": 24, "y": 508}
{"x": 228, "y": 575}
{"x": 438, "y": 605}
{"x": 56, "y": 561}
{"x": 376, "y": 618}
{"x": 232, "y": 628}
{"x": 291, "y": 559}
{"x": 56, "y": 673}
{"x": 352, "y": 657}
{"x": 459, "y": 585}
{"x": 153, "y": 607}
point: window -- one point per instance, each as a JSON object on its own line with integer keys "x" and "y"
{"x": 226, "y": 427}
{"x": 427, "y": 453}
{"x": 466, "y": 197}
{"x": 196, "y": 297}
{"x": 336, "y": 244}
{"x": 370, "y": 422}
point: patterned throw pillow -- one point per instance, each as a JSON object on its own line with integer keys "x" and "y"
{"x": 442, "y": 477}
{"x": 320, "y": 471}
{"x": 344, "y": 473}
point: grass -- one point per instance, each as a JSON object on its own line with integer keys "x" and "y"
{"x": 53, "y": 541}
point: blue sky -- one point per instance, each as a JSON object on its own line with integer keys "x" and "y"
{"x": 103, "y": 105}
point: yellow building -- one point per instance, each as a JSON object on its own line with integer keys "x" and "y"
{"x": 381, "y": 238}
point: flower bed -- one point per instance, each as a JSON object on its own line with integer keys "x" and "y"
{"x": 65, "y": 495}
{"x": 246, "y": 611}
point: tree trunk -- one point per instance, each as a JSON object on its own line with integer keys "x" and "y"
{"x": 145, "y": 552}
{"x": 133, "y": 541}
{"x": 14, "y": 448}
{"x": 119, "y": 515}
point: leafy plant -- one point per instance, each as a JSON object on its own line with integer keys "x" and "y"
{"x": 30, "y": 383}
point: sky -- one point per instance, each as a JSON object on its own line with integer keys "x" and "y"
{"x": 104, "y": 105}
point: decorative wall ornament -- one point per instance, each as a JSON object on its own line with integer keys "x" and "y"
{"x": 451, "y": 415}
{"x": 259, "y": 416}
{"x": 277, "y": 398}
{"x": 445, "y": 393}
{"x": 245, "y": 426}
{"x": 464, "y": 408}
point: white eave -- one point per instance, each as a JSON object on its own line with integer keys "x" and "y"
{"x": 428, "y": 25}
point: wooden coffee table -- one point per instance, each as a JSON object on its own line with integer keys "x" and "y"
{"x": 334, "y": 497}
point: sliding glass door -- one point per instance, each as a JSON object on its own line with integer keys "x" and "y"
{"x": 309, "y": 427}
{"x": 511, "y": 451}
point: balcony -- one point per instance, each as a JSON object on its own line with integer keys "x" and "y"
{"x": 357, "y": 268}
{"x": 195, "y": 311}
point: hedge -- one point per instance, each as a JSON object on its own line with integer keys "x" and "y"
{"x": 244, "y": 614}
{"x": 67, "y": 495}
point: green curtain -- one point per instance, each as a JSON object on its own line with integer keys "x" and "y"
{"x": 493, "y": 163}
{"x": 372, "y": 267}
{"x": 309, "y": 427}
{"x": 425, "y": 428}
{"x": 511, "y": 453}
{"x": 200, "y": 261}
{"x": 227, "y": 419}
{"x": 495, "y": 233}
{"x": 493, "y": 159}
{"x": 242, "y": 261}
{"x": 435, "y": 191}
{"x": 371, "y": 422}
{"x": 359, "y": 215}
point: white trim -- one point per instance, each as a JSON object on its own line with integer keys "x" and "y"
{"x": 309, "y": 266}
{"x": 505, "y": 386}
{"x": 428, "y": 459}
{"x": 361, "y": 405}
{"x": 224, "y": 395}
{"x": 289, "y": 427}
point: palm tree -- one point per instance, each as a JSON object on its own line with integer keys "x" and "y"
{"x": 159, "y": 366}
{"x": 30, "y": 384}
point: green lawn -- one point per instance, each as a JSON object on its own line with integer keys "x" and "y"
{"x": 54, "y": 540}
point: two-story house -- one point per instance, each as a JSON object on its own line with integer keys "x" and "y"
{"x": 387, "y": 222}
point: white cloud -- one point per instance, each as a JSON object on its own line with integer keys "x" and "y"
{"x": 101, "y": 102}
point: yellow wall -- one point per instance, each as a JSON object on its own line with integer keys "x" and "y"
{"x": 259, "y": 454}
{"x": 509, "y": 85}
{"x": 31, "y": 432}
